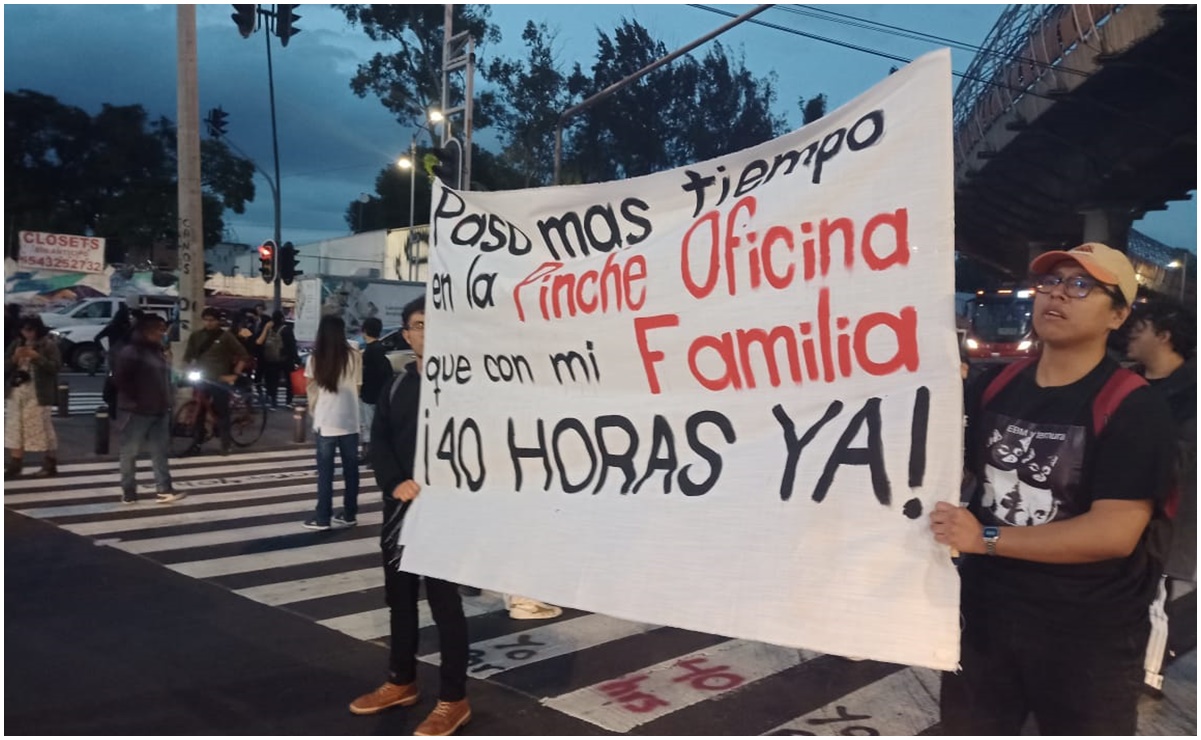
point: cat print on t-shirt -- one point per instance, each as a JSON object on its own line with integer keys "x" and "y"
{"x": 1032, "y": 472}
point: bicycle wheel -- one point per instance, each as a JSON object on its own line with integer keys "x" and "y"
{"x": 247, "y": 418}
{"x": 183, "y": 428}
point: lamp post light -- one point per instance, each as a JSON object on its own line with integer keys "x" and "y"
{"x": 410, "y": 163}
{"x": 1183, "y": 267}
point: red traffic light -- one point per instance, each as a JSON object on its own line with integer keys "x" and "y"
{"x": 266, "y": 251}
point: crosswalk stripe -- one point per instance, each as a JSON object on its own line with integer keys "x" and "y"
{"x": 241, "y": 466}
{"x": 622, "y": 704}
{"x": 191, "y": 487}
{"x": 374, "y": 624}
{"x": 905, "y": 703}
{"x": 306, "y": 453}
{"x": 287, "y": 592}
{"x": 265, "y": 560}
{"x": 520, "y": 649}
{"x": 225, "y": 536}
{"x": 108, "y": 526}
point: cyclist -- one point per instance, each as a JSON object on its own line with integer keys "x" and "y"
{"x": 220, "y": 358}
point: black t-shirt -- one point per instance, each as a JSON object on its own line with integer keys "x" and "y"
{"x": 1037, "y": 461}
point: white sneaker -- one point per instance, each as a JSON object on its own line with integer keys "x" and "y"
{"x": 168, "y": 497}
{"x": 520, "y": 608}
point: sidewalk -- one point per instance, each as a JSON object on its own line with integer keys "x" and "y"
{"x": 77, "y": 439}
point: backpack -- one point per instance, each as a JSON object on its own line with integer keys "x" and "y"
{"x": 1119, "y": 385}
{"x": 273, "y": 347}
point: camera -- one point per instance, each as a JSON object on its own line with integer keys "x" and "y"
{"x": 20, "y": 377}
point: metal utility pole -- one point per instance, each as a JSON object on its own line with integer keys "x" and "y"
{"x": 458, "y": 52}
{"x": 637, "y": 75}
{"x": 191, "y": 220}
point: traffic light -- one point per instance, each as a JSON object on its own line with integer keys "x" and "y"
{"x": 285, "y": 18}
{"x": 287, "y": 263}
{"x": 447, "y": 167}
{"x": 247, "y": 18}
{"x": 217, "y": 121}
{"x": 267, "y": 261}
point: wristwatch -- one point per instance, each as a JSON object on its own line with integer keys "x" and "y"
{"x": 991, "y": 535}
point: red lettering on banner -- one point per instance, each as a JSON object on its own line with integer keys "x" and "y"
{"x": 642, "y": 324}
{"x": 566, "y": 294}
{"x": 707, "y": 251}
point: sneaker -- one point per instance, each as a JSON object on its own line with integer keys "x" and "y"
{"x": 447, "y": 717}
{"x": 129, "y": 499}
{"x": 530, "y": 609}
{"x": 167, "y": 497}
{"x": 341, "y": 521}
{"x": 314, "y": 524}
{"x": 386, "y": 696}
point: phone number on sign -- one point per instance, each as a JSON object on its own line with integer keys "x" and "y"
{"x": 62, "y": 263}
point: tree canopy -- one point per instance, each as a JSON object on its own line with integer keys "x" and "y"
{"x": 696, "y": 108}
{"x": 112, "y": 175}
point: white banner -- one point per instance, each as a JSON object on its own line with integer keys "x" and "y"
{"x": 64, "y": 252}
{"x": 723, "y": 398}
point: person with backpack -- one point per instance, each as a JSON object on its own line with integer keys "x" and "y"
{"x": 377, "y": 371}
{"x": 1069, "y": 459}
{"x": 272, "y": 354}
{"x": 1163, "y": 340}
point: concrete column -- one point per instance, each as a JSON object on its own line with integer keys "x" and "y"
{"x": 1108, "y": 226}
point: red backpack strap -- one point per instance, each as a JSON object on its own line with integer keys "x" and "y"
{"x": 1122, "y": 383}
{"x": 1003, "y": 378}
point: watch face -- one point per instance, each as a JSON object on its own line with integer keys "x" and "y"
{"x": 990, "y": 532}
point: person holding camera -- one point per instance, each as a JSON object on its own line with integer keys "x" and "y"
{"x": 31, "y": 365}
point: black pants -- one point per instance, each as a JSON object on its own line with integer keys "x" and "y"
{"x": 272, "y": 373}
{"x": 447, "y": 607}
{"x": 1076, "y": 680}
{"x": 218, "y": 393}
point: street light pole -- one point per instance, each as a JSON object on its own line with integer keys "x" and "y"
{"x": 412, "y": 168}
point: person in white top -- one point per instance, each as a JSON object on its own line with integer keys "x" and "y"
{"x": 334, "y": 372}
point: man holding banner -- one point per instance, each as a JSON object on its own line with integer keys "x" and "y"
{"x": 1071, "y": 456}
{"x": 394, "y": 429}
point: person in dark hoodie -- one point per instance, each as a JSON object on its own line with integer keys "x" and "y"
{"x": 1163, "y": 340}
{"x": 392, "y": 456}
{"x": 377, "y": 371}
{"x": 142, "y": 376}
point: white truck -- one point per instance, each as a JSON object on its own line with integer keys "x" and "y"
{"x": 354, "y": 299}
{"x": 76, "y": 326}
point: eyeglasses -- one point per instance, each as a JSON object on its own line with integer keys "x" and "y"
{"x": 1077, "y": 286}
{"x": 419, "y": 326}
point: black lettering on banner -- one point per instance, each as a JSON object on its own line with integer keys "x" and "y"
{"x": 917, "y": 437}
{"x": 446, "y": 450}
{"x": 516, "y": 454}
{"x": 627, "y": 206}
{"x": 687, "y": 487}
{"x": 624, "y": 461}
{"x": 611, "y": 234}
{"x": 568, "y": 360}
{"x": 476, "y": 483}
{"x": 662, "y": 441}
{"x": 795, "y": 446}
{"x": 442, "y": 291}
{"x": 872, "y": 455}
{"x": 507, "y": 368}
{"x": 476, "y": 226}
{"x": 425, "y": 445}
{"x": 479, "y": 287}
{"x": 876, "y": 117}
{"x": 576, "y": 426}
{"x": 446, "y": 210}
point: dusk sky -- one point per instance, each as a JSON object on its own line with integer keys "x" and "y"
{"x": 332, "y": 143}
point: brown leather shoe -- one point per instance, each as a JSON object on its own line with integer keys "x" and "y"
{"x": 447, "y": 717}
{"x": 388, "y": 695}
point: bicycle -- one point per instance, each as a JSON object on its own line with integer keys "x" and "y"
{"x": 247, "y": 417}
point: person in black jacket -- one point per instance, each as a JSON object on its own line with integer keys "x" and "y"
{"x": 377, "y": 371}
{"x": 142, "y": 377}
{"x": 392, "y": 456}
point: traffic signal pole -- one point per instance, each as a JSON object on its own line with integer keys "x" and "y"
{"x": 191, "y": 221}
{"x": 275, "y": 151}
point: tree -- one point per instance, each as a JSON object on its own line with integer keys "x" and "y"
{"x": 112, "y": 175}
{"x": 409, "y": 81}
{"x": 812, "y": 109}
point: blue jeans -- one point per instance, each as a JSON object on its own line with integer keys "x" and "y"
{"x": 153, "y": 432}
{"x": 347, "y": 446}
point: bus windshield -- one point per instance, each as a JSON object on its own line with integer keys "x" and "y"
{"x": 1002, "y": 321}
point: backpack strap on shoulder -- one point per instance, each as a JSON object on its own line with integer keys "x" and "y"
{"x": 1003, "y": 378}
{"x": 1122, "y": 383}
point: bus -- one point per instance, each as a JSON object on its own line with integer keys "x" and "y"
{"x": 999, "y": 326}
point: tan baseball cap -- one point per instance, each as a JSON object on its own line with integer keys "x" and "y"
{"x": 1102, "y": 262}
